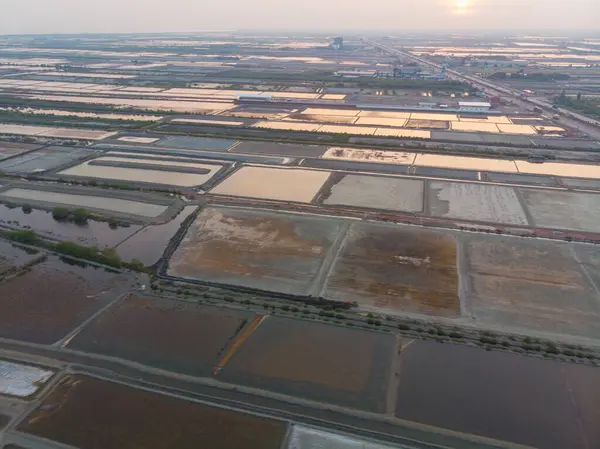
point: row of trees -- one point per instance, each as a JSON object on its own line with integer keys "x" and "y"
{"x": 587, "y": 106}
{"x": 105, "y": 256}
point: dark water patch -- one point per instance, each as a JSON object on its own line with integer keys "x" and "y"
{"x": 89, "y": 413}
{"x": 92, "y": 233}
{"x": 510, "y": 397}
{"x": 45, "y": 303}
{"x": 149, "y": 244}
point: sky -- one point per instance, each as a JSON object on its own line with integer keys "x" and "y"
{"x": 115, "y": 16}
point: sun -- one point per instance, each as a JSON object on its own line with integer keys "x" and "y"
{"x": 461, "y": 7}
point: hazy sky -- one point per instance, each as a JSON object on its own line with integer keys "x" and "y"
{"x": 75, "y": 16}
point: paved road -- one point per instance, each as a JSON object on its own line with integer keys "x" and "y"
{"x": 568, "y": 118}
{"x": 210, "y": 391}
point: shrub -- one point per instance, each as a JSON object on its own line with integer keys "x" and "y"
{"x": 80, "y": 215}
{"x": 26, "y": 236}
{"x": 60, "y": 213}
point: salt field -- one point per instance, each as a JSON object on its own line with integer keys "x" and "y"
{"x": 302, "y": 437}
{"x": 21, "y": 380}
{"x": 378, "y": 192}
{"x": 86, "y": 201}
{"x": 44, "y": 131}
{"x": 273, "y": 183}
{"x": 147, "y": 170}
{"x": 478, "y": 202}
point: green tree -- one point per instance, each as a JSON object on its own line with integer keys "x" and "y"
{"x": 111, "y": 257}
{"x": 25, "y": 236}
{"x": 136, "y": 265}
{"x": 80, "y": 215}
{"x": 60, "y": 213}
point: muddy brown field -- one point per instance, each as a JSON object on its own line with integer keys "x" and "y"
{"x": 45, "y": 303}
{"x": 315, "y": 361}
{"x": 168, "y": 334}
{"x": 270, "y": 251}
{"x": 510, "y": 397}
{"x": 93, "y": 414}
{"x": 394, "y": 268}
{"x": 533, "y": 284}
{"x": 427, "y": 124}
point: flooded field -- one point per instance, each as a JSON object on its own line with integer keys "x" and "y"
{"x": 264, "y": 250}
{"x": 196, "y": 143}
{"x": 533, "y": 285}
{"x": 478, "y": 202}
{"x": 13, "y": 257}
{"x": 377, "y": 192}
{"x": 43, "y": 160}
{"x": 21, "y": 380}
{"x": 279, "y": 149}
{"x": 509, "y": 397}
{"x": 87, "y": 201}
{"x": 396, "y": 269}
{"x": 315, "y": 361}
{"x": 171, "y": 335}
{"x": 152, "y": 171}
{"x": 149, "y": 244}
{"x": 10, "y": 149}
{"x": 94, "y": 233}
{"x": 563, "y": 210}
{"x": 273, "y": 183}
{"x": 47, "y": 302}
{"x": 127, "y": 418}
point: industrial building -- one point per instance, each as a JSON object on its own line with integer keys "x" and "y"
{"x": 338, "y": 43}
{"x": 474, "y": 106}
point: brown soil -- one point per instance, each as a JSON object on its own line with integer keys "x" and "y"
{"x": 330, "y": 356}
{"x": 398, "y": 269}
{"x": 44, "y": 304}
{"x": 426, "y": 124}
{"x": 253, "y": 246}
{"x": 538, "y": 262}
{"x": 92, "y": 414}
{"x": 168, "y": 334}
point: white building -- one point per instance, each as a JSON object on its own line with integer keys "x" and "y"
{"x": 474, "y": 106}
